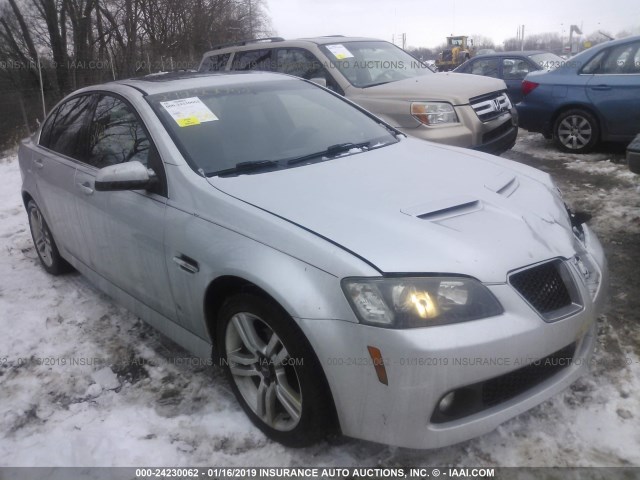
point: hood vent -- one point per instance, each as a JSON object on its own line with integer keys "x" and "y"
{"x": 445, "y": 208}
{"x": 503, "y": 184}
{"x": 451, "y": 211}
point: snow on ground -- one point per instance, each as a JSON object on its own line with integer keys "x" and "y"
{"x": 616, "y": 207}
{"x": 83, "y": 382}
{"x": 536, "y": 144}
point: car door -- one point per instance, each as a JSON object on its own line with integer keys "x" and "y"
{"x": 514, "y": 70}
{"x": 124, "y": 229}
{"x": 62, "y": 143}
{"x": 614, "y": 90}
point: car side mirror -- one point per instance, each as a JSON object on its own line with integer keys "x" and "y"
{"x": 320, "y": 81}
{"x": 131, "y": 175}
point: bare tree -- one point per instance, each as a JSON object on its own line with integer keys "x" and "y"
{"x": 79, "y": 42}
{"x": 481, "y": 42}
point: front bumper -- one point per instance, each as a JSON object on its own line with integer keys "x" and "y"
{"x": 423, "y": 365}
{"x": 495, "y": 136}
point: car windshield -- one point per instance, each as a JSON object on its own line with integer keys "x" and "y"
{"x": 366, "y": 64}
{"x": 266, "y": 125}
{"x": 547, "y": 61}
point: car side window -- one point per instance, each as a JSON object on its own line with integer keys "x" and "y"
{"x": 68, "y": 134}
{"x": 486, "y": 66}
{"x": 303, "y": 64}
{"x": 466, "y": 67}
{"x": 514, "y": 68}
{"x": 298, "y": 62}
{"x": 595, "y": 64}
{"x": 215, "y": 63}
{"x": 622, "y": 60}
{"x": 253, "y": 60}
{"x": 45, "y": 133}
{"x": 116, "y": 135}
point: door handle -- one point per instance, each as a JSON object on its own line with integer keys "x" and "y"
{"x": 187, "y": 264}
{"x": 601, "y": 88}
{"x": 39, "y": 164}
{"x": 85, "y": 188}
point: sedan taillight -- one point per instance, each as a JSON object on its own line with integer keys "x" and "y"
{"x": 528, "y": 87}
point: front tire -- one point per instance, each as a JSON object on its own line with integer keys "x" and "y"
{"x": 272, "y": 371}
{"x": 46, "y": 247}
{"x": 576, "y": 131}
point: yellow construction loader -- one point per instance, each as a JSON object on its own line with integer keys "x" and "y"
{"x": 459, "y": 49}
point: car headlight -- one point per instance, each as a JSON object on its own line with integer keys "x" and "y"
{"x": 433, "y": 113}
{"x": 419, "y": 301}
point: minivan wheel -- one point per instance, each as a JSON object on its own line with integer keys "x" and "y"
{"x": 576, "y": 131}
{"x": 45, "y": 244}
{"x": 272, "y": 371}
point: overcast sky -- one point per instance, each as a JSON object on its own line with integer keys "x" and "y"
{"x": 428, "y": 22}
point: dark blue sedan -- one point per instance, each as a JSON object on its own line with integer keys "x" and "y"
{"x": 593, "y": 97}
{"x": 511, "y": 67}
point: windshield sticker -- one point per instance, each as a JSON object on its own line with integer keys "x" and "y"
{"x": 339, "y": 51}
{"x": 189, "y": 111}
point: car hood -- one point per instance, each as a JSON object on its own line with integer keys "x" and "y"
{"x": 417, "y": 207}
{"x": 456, "y": 88}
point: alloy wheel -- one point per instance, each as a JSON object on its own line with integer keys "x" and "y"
{"x": 575, "y": 132}
{"x": 41, "y": 236}
{"x": 263, "y": 371}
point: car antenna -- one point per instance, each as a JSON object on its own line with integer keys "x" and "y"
{"x": 24, "y": 115}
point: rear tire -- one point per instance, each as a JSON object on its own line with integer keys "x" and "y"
{"x": 576, "y": 131}
{"x": 44, "y": 242}
{"x": 273, "y": 372}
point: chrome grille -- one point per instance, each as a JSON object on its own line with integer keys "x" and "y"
{"x": 491, "y": 106}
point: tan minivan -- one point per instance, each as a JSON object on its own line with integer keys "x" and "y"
{"x": 456, "y": 109}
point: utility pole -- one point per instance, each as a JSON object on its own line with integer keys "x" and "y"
{"x": 522, "y": 44}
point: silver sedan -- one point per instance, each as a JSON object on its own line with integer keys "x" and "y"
{"x": 345, "y": 277}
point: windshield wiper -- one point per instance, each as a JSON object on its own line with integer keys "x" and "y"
{"x": 244, "y": 167}
{"x": 331, "y": 151}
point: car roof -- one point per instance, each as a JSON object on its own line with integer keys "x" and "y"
{"x": 339, "y": 39}
{"x": 171, "y": 81}
{"x": 275, "y": 42}
{"x": 610, "y": 43}
{"x": 590, "y": 52}
{"x": 512, "y": 53}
